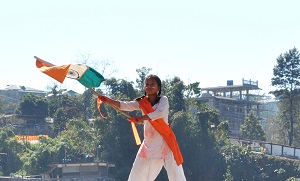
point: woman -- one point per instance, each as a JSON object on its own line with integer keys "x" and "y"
{"x": 159, "y": 147}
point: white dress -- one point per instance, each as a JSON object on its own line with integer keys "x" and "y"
{"x": 154, "y": 152}
{"x": 153, "y": 145}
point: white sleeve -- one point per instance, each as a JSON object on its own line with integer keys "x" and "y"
{"x": 129, "y": 105}
{"x": 161, "y": 109}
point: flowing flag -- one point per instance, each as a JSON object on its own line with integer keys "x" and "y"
{"x": 87, "y": 76}
{"x": 56, "y": 72}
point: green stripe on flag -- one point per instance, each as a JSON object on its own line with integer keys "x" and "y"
{"x": 91, "y": 78}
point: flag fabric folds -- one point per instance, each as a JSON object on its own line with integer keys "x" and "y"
{"x": 87, "y": 76}
{"x": 56, "y": 72}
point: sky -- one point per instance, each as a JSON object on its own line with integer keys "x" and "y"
{"x": 198, "y": 41}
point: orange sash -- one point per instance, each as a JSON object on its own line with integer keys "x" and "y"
{"x": 164, "y": 130}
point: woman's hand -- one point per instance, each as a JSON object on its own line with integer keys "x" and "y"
{"x": 107, "y": 100}
{"x": 102, "y": 98}
{"x": 136, "y": 119}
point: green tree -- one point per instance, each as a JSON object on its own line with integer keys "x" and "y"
{"x": 251, "y": 129}
{"x": 203, "y": 142}
{"x": 79, "y": 137}
{"x": 287, "y": 80}
{"x": 142, "y": 73}
{"x": 60, "y": 120}
{"x": 33, "y": 108}
{"x": 37, "y": 157}
{"x": 69, "y": 108}
{"x": 9, "y": 148}
{"x": 174, "y": 90}
{"x": 87, "y": 104}
{"x": 120, "y": 87}
{"x": 2, "y": 106}
{"x": 114, "y": 133}
{"x": 193, "y": 90}
{"x": 54, "y": 100}
{"x": 243, "y": 164}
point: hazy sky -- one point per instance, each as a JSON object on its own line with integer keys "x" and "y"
{"x": 205, "y": 41}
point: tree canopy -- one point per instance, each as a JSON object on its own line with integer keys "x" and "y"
{"x": 287, "y": 80}
{"x": 251, "y": 129}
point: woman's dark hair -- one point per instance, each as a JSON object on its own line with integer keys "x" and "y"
{"x": 158, "y": 81}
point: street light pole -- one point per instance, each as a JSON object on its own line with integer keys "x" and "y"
{"x": 98, "y": 147}
{"x": 65, "y": 153}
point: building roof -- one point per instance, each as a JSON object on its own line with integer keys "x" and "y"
{"x": 231, "y": 88}
{"x": 99, "y": 164}
{"x": 21, "y": 88}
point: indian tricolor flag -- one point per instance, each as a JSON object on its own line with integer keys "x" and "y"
{"x": 87, "y": 76}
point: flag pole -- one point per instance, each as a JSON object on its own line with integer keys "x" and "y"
{"x": 43, "y": 61}
{"x": 134, "y": 129}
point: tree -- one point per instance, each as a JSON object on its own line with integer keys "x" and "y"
{"x": 142, "y": 73}
{"x": 2, "y": 106}
{"x": 120, "y": 87}
{"x": 287, "y": 80}
{"x": 193, "y": 90}
{"x": 251, "y": 129}
{"x": 86, "y": 99}
{"x": 79, "y": 138}
{"x": 69, "y": 108}
{"x": 33, "y": 108}
{"x": 9, "y": 148}
{"x": 115, "y": 135}
{"x": 174, "y": 90}
{"x": 207, "y": 163}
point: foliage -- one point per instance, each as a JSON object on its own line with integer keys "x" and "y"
{"x": 174, "y": 90}
{"x": 78, "y": 138}
{"x": 251, "y": 129}
{"x": 120, "y": 87}
{"x": 193, "y": 90}
{"x": 115, "y": 135}
{"x": 87, "y": 107}
{"x": 36, "y": 158}
{"x": 9, "y": 148}
{"x": 2, "y": 106}
{"x": 228, "y": 175}
{"x": 142, "y": 73}
{"x": 33, "y": 108}
{"x": 201, "y": 135}
{"x": 287, "y": 80}
{"x": 68, "y": 108}
{"x": 205, "y": 146}
{"x": 244, "y": 164}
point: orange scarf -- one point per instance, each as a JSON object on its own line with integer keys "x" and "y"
{"x": 164, "y": 130}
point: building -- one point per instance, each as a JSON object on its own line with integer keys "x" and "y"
{"x": 13, "y": 93}
{"x": 85, "y": 171}
{"x": 234, "y": 102}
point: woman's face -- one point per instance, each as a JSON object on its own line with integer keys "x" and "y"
{"x": 151, "y": 86}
